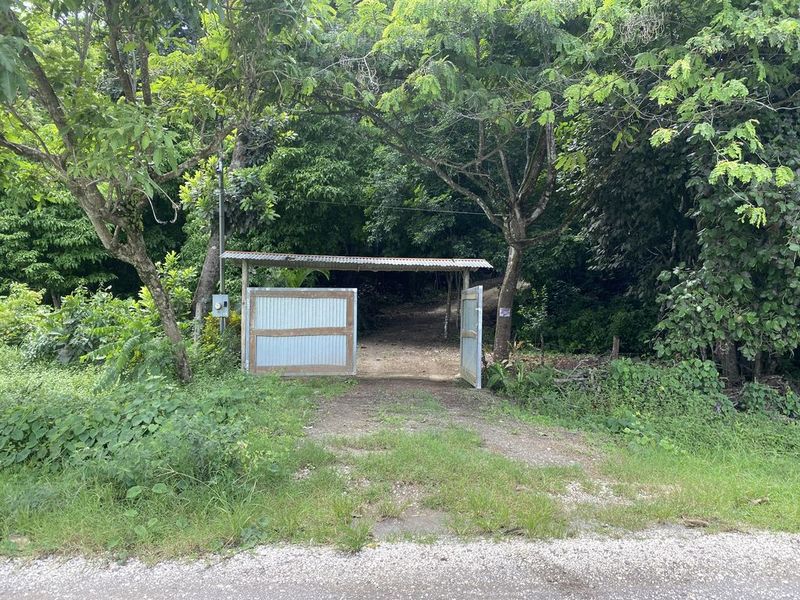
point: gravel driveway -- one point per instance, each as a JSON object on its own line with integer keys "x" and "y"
{"x": 665, "y": 563}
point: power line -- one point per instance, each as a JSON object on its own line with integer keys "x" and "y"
{"x": 395, "y": 207}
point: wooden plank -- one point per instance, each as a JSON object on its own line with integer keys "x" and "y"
{"x": 307, "y": 370}
{"x": 468, "y": 333}
{"x": 303, "y": 331}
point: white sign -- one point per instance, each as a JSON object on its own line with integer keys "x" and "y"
{"x": 505, "y": 312}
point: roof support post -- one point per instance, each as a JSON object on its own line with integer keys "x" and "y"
{"x": 245, "y": 316}
{"x": 466, "y": 280}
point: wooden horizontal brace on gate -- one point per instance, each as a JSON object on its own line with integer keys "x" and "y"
{"x": 469, "y": 296}
{"x": 468, "y": 333}
{"x": 300, "y": 332}
{"x": 299, "y": 371}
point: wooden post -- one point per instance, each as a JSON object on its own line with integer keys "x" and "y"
{"x": 245, "y": 316}
{"x": 615, "y": 348}
{"x": 466, "y": 280}
{"x": 449, "y": 301}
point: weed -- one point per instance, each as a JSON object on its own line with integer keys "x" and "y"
{"x": 354, "y": 537}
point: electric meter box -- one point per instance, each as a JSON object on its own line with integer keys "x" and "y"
{"x": 220, "y": 306}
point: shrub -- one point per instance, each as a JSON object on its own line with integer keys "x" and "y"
{"x": 20, "y": 313}
{"x": 691, "y": 387}
{"x": 124, "y": 334}
{"x": 132, "y": 434}
{"x": 759, "y": 397}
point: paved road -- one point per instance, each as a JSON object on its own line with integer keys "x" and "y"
{"x": 650, "y": 566}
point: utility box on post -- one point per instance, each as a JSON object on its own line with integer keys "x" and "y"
{"x": 220, "y": 306}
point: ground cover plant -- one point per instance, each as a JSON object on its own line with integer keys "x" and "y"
{"x": 679, "y": 449}
{"x": 155, "y": 468}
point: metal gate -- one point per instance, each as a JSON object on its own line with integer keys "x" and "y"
{"x": 301, "y": 331}
{"x": 472, "y": 334}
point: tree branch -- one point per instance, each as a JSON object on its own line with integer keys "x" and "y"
{"x": 550, "y": 145}
{"x": 533, "y": 167}
{"x": 24, "y": 151}
{"x": 195, "y": 160}
{"x": 52, "y": 104}
{"x": 112, "y": 20}
{"x": 507, "y": 178}
{"x": 144, "y": 69}
{"x": 401, "y": 146}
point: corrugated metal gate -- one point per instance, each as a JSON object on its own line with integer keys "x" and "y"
{"x": 472, "y": 334}
{"x": 301, "y": 331}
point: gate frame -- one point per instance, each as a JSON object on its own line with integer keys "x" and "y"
{"x": 471, "y": 294}
{"x": 350, "y": 331}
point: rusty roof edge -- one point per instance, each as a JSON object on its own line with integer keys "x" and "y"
{"x": 376, "y": 261}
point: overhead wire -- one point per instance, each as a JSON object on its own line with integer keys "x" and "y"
{"x": 395, "y": 207}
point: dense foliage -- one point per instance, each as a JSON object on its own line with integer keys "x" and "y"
{"x": 634, "y": 162}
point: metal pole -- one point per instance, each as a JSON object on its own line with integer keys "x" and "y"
{"x": 221, "y": 184}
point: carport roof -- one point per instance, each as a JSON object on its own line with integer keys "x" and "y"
{"x": 356, "y": 263}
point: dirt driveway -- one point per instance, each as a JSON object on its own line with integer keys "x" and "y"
{"x": 417, "y": 404}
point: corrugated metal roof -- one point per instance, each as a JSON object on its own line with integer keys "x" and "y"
{"x": 357, "y": 263}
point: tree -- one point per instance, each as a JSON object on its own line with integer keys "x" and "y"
{"x": 264, "y": 35}
{"x": 467, "y": 90}
{"x": 717, "y": 83}
{"x": 99, "y": 94}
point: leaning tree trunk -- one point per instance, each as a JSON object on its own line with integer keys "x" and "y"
{"x": 149, "y": 275}
{"x": 505, "y": 303}
{"x": 207, "y": 283}
{"x": 209, "y": 275}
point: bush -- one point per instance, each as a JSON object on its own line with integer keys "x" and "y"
{"x": 678, "y": 406}
{"x": 132, "y": 434}
{"x": 691, "y": 387}
{"x": 568, "y": 320}
{"x": 21, "y": 312}
{"x": 759, "y": 397}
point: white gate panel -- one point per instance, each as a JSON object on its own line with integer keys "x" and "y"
{"x": 471, "y": 335}
{"x": 301, "y": 331}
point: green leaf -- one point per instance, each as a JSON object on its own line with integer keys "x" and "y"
{"x": 704, "y": 130}
{"x": 547, "y": 117}
{"x": 134, "y": 492}
{"x": 160, "y": 488}
{"x": 308, "y": 86}
{"x": 542, "y": 100}
{"x": 783, "y": 176}
{"x": 662, "y": 136}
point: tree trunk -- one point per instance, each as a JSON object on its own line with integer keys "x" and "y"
{"x": 505, "y": 303}
{"x": 201, "y": 300}
{"x": 149, "y": 275}
{"x": 726, "y": 357}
